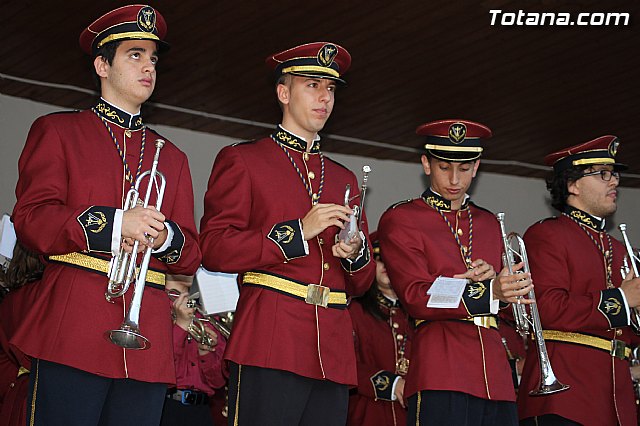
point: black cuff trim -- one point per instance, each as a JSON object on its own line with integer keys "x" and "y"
{"x": 97, "y": 225}
{"x": 382, "y": 383}
{"x": 288, "y": 237}
{"x": 612, "y": 306}
{"x": 476, "y": 298}
{"x": 172, "y": 254}
{"x": 361, "y": 261}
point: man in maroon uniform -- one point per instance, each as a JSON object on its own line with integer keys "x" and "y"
{"x": 74, "y": 173}
{"x": 273, "y": 210}
{"x": 459, "y": 372}
{"x": 381, "y": 331}
{"x": 582, "y": 297}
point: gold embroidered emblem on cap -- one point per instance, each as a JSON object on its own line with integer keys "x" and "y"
{"x": 457, "y": 132}
{"x": 327, "y": 54}
{"x": 147, "y": 19}
{"x": 613, "y": 147}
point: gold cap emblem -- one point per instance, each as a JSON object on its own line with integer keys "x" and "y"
{"x": 457, "y": 132}
{"x": 147, "y": 19}
{"x": 327, "y": 54}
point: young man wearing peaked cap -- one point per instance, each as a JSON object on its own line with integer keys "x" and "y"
{"x": 273, "y": 210}
{"x": 459, "y": 372}
{"x": 74, "y": 174}
{"x": 583, "y": 297}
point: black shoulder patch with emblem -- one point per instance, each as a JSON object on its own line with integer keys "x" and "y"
{"x": 613, "y": 308}
{"x": 476, "y": 298}
{"x": 288, "y": 237}
{"x": 382, "y": 383}
{"x": 97, "y": 225}
{"x": 174, "y": 251}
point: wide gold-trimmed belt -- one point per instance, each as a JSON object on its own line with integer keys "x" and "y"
{"x": 486, "y": 321}
{"x": 97, "y": 264}
{"x": 616, "y": 348}
{"x": 312, "y": 294}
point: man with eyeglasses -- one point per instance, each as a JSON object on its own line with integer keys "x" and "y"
{"x": 583, "y": 299}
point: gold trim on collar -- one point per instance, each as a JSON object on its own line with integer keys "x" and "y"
{"x": 133, "y": 34}
{"x": 310, "y": 68}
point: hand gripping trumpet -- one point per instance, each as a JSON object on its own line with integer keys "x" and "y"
{"x": 122, "y": 269}
{"x": 354, "y": 225}
{"x": 628, "y": 266}
{"x": 197, "y": 327}
{"x": 525, "y": 321}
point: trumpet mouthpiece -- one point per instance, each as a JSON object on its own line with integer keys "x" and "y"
{"x": 160, "y": 143}
{"x": 366, "y": 168}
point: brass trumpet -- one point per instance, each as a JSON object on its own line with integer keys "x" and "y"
{"x": 197, "y": 328}
{"x": 529, "y": 322}
{"x": 122, "y": 268}
{"x": 628, "y": 266}
{"x": 355, "y": 224}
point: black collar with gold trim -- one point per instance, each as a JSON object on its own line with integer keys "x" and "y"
{"x": 585, "y": 218}
{"x": 436, "y": 201}
{"x": 294, "y": 142}
{"x": 385, "y": 302}
{"x": 115, "y": 115}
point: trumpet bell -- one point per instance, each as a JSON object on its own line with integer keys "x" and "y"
{"x": 128, "y": 337}
{"x": 548, "y": 389}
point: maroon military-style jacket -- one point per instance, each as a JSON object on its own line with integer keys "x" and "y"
{"x": 378, "y": 346}
{"x": 568, "y": 272}
{"x": 14, "y": 365}
{"x": 448, "y": 353}
{"x": 252, "y": 222}
{"x": 71, "y": 180}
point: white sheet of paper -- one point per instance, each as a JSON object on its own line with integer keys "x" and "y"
{"x": 218, "y": 291}
{"x": 446, "y": 292}
{"x": 7, "y": 237}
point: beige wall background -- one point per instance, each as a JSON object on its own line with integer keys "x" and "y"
{"x": 524, "y": 200}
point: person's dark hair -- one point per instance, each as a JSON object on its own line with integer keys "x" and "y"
{"x": 108, "y": 52}
{"x": 557, "y": 184}
{"x": 25, "y": 267}
{"x": 370, "y": 303}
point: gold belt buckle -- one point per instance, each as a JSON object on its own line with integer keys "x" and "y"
{"x": 317, "y": 295}
{"x": 618, "y": 348}
{"x": 482, "y": 321}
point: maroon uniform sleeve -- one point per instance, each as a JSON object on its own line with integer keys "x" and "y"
{"x": 42, "y": 219}
{"x": 564, "y": 304}
{"x": 183, "y": 255}
{"x": 414, "y": 259}
{"x": 229, "y": 240}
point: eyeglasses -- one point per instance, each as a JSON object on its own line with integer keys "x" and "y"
{"x": 604, "y": 174}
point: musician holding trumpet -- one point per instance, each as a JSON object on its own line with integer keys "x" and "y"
{"x": 584, "y": 295}
{"x": 75, "y": 172}
{"x": 459, "y": 372}
{"x": 273, "y": 212}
